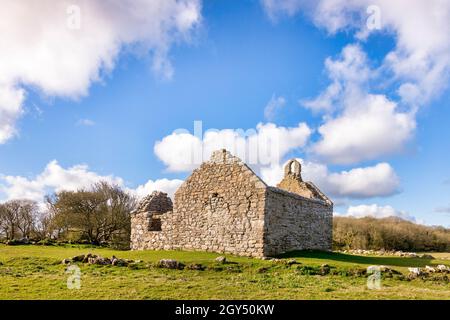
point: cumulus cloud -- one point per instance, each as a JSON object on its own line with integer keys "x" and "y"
{"x": 369, "y": 128}
{"x": 349, "y": 73}
{"x": 278, "y": 8}
{"x": 55, "y": 178}
{"x": 273, "y": 107}
{"x": 183, "y": 151}
{"x": 360, "y": 125}
{"x": 61, "y": 47}
{"x": 421, "y": 57}
{"x": 164, "y": 185}
{"x": 11, "y": 100}
{"x": 417, "y": 69}
{"x": 375, "y": 181}
{"x": 376, "y": 211}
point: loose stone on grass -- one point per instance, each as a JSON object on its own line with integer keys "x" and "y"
{"x": 195, "y": 266}
{"x": 170, "y": 264}
{"x": 221, "y": 259}
{"x": 292, "y": 261}
{"x": 324, "y": 269}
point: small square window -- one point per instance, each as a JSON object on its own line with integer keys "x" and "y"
{"x": 155, "y": 224}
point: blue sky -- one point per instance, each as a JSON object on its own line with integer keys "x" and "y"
{"x": 229, "y": 61}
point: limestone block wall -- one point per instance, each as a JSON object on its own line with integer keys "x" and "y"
{"x": 219, "y": 208}
{"x": 293, "y": 222}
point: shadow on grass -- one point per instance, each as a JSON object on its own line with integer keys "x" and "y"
{"x": 349, "y": 258}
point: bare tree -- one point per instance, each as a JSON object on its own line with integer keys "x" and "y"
{"x": 17, "y": 218}
{"x": 27, "y": 217}
{"x": 9, "y": 218}
{"x": 114, "y": 221}
{"x": 45, "y": 226}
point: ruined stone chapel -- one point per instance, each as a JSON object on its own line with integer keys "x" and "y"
{"x": 223, "y": 206}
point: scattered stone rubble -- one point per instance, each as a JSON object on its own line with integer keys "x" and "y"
{"x": 428, "y": 271}
{"x": 99, "y": 260}
{"x": 435, "y": 273}
{"x": 170, "y": 264}
{"x": 292, "y": 261}
{"x": 388, "y": 253}
{"x": 385, "y": 270}
{"x": 196, "y": 266}
{"x": 443, "y": 268}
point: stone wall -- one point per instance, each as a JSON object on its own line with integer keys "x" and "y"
{"x": 147, "y": 217}
{"x": 293, "y": 222}
{"x": 220, "y": 208}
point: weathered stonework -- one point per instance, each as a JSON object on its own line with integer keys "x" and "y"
{"x": 147, "y": 217}
{"x": 225, "y": 207}
{"x": 293, "y": 182}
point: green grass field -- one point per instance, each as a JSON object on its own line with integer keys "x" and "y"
{"x": 35, "y": 272}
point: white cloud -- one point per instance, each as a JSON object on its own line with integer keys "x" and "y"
{"x": 274, "y": 106}
{"x": 55, "y": 178}
{"x": 375, "y": 181}
{"x": 277, "y": 8}
{"x": 359, "y": 125}
{"x": 348, "y": 74}
{"x": 421, "y": 57}
{"x": 324, "y": 101}
{"x": 369, "y": 128}
{"x": 376, "y": 211}
{"x": 418, "y": 69}
{"x": 165, "y": 185}
{"x": 11, "y": 100}
{"x": 40, "y": 50}
{"x": 183, "y": 151}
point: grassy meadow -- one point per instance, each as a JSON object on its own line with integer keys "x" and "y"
{"x": 36, "y": 272}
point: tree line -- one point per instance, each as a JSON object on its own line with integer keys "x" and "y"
{"x": 97, "y": 215}
{"x": 390, "y": 233}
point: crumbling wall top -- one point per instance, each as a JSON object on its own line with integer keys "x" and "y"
{"x": 293, "y": 182}
{"x": 223, "y": 156}
{"x": 157, "y": 202}
{"x": 293, "y": 169}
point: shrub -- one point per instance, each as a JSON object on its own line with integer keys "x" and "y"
{"x": 46, "y": 242}
{"x": 389, "y": 234}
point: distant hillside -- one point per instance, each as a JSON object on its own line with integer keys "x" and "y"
{"x": 388, "y": 233}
